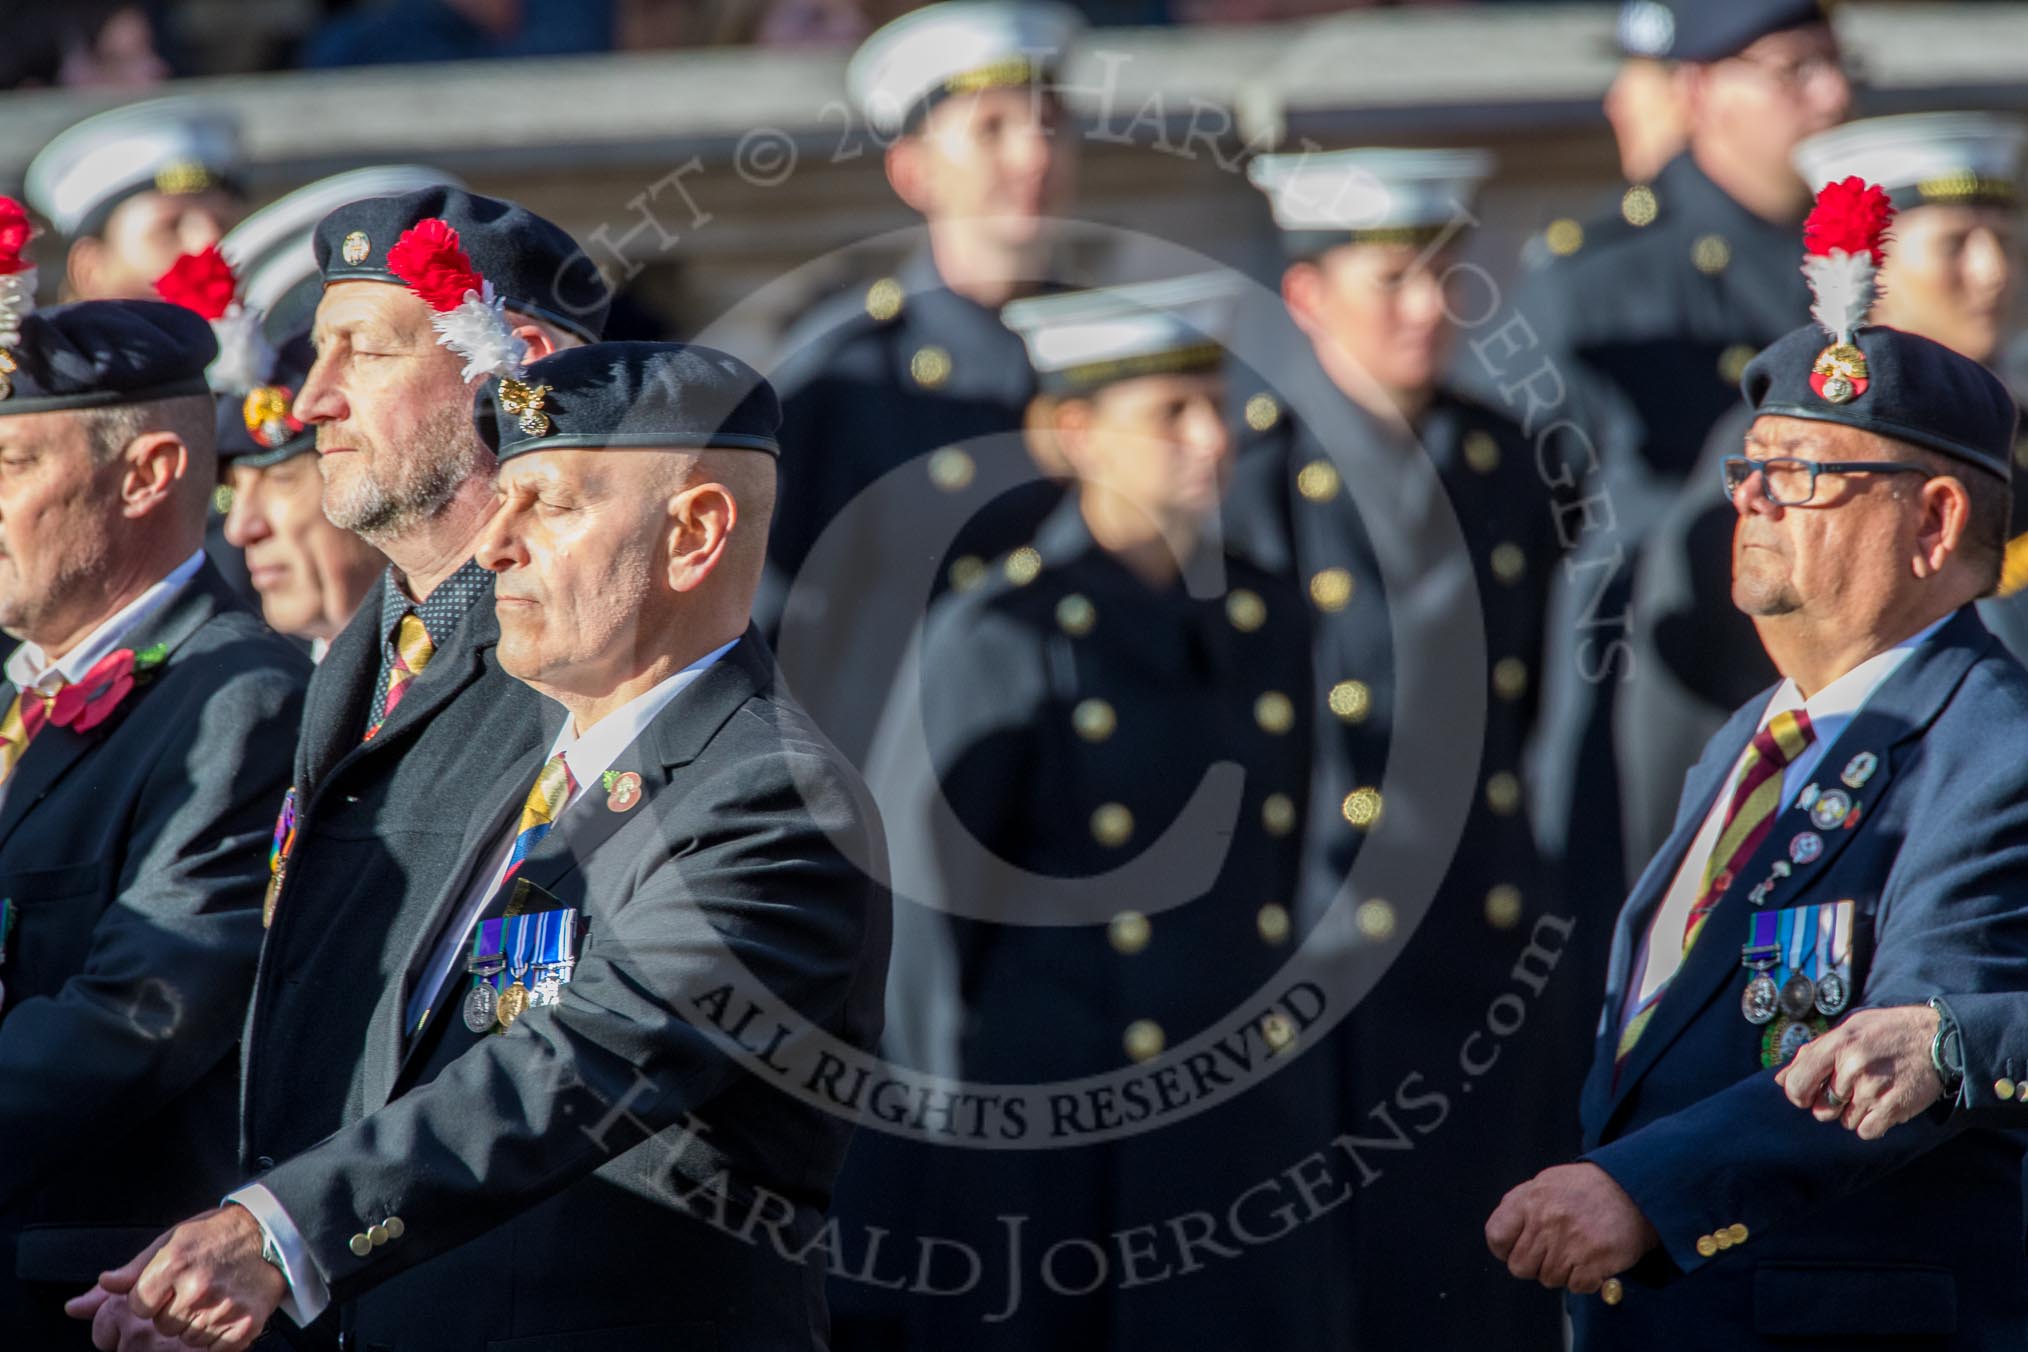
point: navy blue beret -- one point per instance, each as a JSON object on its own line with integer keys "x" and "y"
{"x": 102, "y": 353}
{"x": 261, "y": 428}
{"x": 1708, "y": 30}
{"x": 1915, "y": 390}
{"x": 534, "y": 264}
{"x": 630, "y": 394}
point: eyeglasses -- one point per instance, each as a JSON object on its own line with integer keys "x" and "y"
{"x": 1789, "y": 482}
{"x": 1795, "y": 75}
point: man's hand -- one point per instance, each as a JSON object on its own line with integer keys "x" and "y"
{"x": 1870, "y": 1073}
{"x": 116, "y": 1328}
{"x": 204, "y": 1283}
{"x": 1569, "y": 1226}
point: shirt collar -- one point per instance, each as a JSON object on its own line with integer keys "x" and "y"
{"x": 441, "y": 612}
{"x": 29, "y": 667}
{"x": 1845, "y": 696}
{"x": 590, "y": 753}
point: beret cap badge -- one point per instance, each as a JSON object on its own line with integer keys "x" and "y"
{"x": 266, "y": 412}
{"x": 356, "y": 247}
{"x": 525, "y": 402}
{"x": 1844, "y": 239}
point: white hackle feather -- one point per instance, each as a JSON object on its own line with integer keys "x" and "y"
{"x": 477, "y": 330}
{"x": 17, "y": 302}
{"x": 1843, "y": 285}
{"x": 244, "y": 354}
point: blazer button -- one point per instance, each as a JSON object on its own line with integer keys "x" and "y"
{"x": 2003, "y": 1087}
{"x": 264, "y": 1163}
{"x": 395, "y": 1227}
{"x": 360, "y": 1245}
{"x": 377, "y": 1235}
{"x": 1737, "y": 1233}
{"x": 1706, "y": 1246}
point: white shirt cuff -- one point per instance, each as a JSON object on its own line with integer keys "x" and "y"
{"x": 307, "y": 1296}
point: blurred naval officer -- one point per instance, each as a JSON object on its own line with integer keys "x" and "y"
{"x": 134, "y": 187}
{"x": 912, "y": 382}
{"x": 1121, "y": 699}
{"x": 1645, "y": 102}
{"x": 1849, "y": 840}
{"x": 144, "y": 734}
{"x": 1414, "y": 522}
{"x": 1637, "y": 324}
{"x": 561, "y": 1147}
{"x": 1951, "y": 274}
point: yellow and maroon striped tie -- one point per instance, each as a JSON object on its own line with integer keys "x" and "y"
{"x": 412, "y": 652}
{"x": 1756, "y": 802}
{"x": 25, "y": 717}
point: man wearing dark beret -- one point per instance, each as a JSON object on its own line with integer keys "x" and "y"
{"x": 1850, "y": 839}
{"x": 410, "y": 724}
{"x": 145, "y": 726}
{"x": 560, "y": 1147}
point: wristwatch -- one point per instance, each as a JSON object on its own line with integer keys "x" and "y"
{"x": 1947, "y": 1049}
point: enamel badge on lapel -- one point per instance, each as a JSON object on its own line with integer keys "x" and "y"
{"x": 1843, "y": 244}
{"x": 1828, "y": 812}
{"x": 1805, "y": 848}
{"x": 623, "y": 791}
{"x": 1809, "y": 795}
{"x": 1859, "y": 769}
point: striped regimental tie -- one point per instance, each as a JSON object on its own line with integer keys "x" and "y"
{"x": 553, "y": 788}
{"x": 1756, "y": 801}
{"x": 412, "y": 652}
{"x": 26, "y": 716}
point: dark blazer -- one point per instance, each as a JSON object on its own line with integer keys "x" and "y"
{"x": 381, "y": 825}
{"x": 133, "y": 855}
{"x": 1912, "y": 1241}
{"x": 546, "y": 1182}
{"x": 1993, "y": 1027}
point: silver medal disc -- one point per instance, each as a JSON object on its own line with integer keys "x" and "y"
{"x": 1799, "y": 996}
{"x": 1831, "y": 995}
{"x": 1760, "y": 999}
{"x": 482, "y": 1007}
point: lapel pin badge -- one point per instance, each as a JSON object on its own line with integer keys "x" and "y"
{"x": 623, "y": 791}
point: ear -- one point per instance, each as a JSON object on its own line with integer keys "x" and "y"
{"x": 83, "y": 266}
{"x": 1303, "y": 294}
{"x": 908, "y": 172}
{"x": 701, "y": 522}
{"x": 1070, "y": 422}
{"x": 537, "y": 338}
{"x": 154, "y": 464}
{"x": 1940, "y": 529}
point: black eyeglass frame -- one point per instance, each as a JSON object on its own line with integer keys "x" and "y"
{"x": 1735, "y": 470}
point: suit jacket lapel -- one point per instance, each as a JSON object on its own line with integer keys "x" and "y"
{"x": 55, "y": 750}
{"x": 668, "y": 743}
{"x": 1900, "y": 710}
{"x": 1707, "y": 779}
{"x": 344, "y": 684}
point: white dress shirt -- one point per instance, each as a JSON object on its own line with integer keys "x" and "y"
{"x": 30, "y": 668}
{"x": 1830, "y": 709}
{"x": 588, "y": 754}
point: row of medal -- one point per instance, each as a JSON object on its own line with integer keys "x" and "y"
{"x": 518, "y": 963}
{"x": 1801, "y": 961}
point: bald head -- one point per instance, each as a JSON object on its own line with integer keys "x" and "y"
{"x": 618, "y": 567}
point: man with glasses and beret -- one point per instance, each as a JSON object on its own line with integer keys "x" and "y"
{"x": 1849, "y": 839}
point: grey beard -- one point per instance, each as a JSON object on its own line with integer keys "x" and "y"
{"x": 428, "y": 468}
